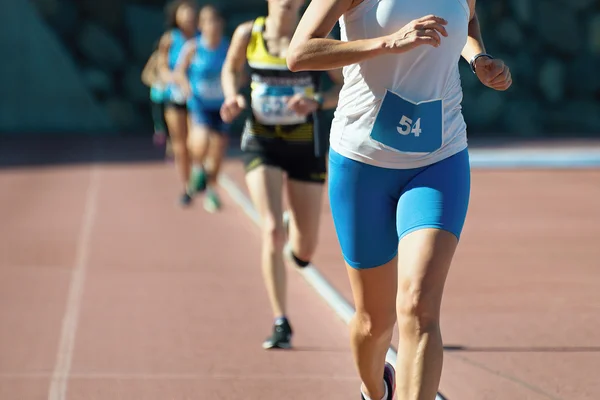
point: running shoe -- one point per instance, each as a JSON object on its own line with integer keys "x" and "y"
{"x": 281, "y": 337}
{"x": 159, "y": 139}
{"x": 389, "y": 377}
{"x": 197, "y": 180}
{"x": 212, "y": 203}
{"x": 185, "y": 199}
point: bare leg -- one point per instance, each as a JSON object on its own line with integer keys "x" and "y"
{"x": 198, "y": 143}
{"x": 371, "y": 328}
{"x": 178, "y": 131}
{"x": 216, "y": 154}
{"x": 265, "y": 184}
{"x": 306, "y": 200}
{"x": 424, "y": 259}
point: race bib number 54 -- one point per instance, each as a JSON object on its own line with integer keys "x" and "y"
{"x": 409, "y": 127}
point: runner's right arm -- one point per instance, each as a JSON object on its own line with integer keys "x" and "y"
{"x": 164, "y": 45}
{"x": 310, "y": 48}
{"x": 149, "y": 74}
{"x": 233, "y": 71}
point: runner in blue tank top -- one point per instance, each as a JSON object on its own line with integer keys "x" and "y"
{"x": 199, "y": 74}
{"x": 182, "y": 26}
{"x": 399, "y": 175}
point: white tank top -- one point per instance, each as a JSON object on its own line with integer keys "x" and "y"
{"x": 420, "y": 122}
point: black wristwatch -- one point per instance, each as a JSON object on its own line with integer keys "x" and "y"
{"x": 476, "y": 57}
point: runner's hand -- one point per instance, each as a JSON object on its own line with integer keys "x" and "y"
{"x": 232, "y": 107}
{"x": 493, "y": 73}
{"x": 301, "y": 105}
{"x": 186, "y": 90}
{"x": 425, "y": 30}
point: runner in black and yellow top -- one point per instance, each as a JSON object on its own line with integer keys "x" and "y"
{"x": 278, "y": 139}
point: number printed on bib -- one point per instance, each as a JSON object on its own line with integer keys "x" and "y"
{"x": 409, "y": 127}
{"x": 269, "y": 105}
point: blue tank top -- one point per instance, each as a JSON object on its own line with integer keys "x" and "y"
{"x": 205, "y": 74}
{"x": 178, "y": 40}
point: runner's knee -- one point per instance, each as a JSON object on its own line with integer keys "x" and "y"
{"x": 417, "y": 313}
{"x": 376, "y": 325}
{"x": 273, "y": 234}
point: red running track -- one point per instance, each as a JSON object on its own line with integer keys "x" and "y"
{"x": 109, "y": 291}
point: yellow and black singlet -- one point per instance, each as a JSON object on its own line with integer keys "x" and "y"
{"x": 272, "y": 85}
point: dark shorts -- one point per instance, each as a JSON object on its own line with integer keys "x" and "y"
{"x": 208, "y": 118}
{"x": 177, "y": 106}
{"x": 300, "y": 164}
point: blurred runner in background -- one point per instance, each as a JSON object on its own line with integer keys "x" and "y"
{"x": 181, "y": 27}
{"x": 199, "y": 75}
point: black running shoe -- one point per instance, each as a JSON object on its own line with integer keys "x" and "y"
{"x": 389, "y": 377}
{"x": 281, "y": 337}
{"x": 185, "y": 199}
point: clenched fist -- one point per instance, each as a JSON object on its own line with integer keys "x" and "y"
{"x": 493, "y": 73}
{"x": 232, "y": 107}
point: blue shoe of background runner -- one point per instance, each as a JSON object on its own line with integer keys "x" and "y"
{"x": 212, "y": 203}
{"x": 198, "y": 180}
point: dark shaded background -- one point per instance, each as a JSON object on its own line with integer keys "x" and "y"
{"x": 73, "y": 66}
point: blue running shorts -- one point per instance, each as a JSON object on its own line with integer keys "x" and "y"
{"x": 209, "y": 118}
{"x": 373, "y": 207}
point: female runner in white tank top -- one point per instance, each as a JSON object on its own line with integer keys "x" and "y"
{"x": 399, "y": 174}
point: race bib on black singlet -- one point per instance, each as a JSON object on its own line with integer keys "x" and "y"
{"x": 269, "y": 104}
{"x": 407, "y": 126}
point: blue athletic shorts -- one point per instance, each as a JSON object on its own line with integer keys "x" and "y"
{"x": 209, "y": 118}
{"x": 373, "y": 207}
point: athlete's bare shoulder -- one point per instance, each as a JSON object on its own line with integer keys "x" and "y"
{"x": 165, "y": 41}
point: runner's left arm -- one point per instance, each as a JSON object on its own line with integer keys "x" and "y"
{"x": 492, "y": 72}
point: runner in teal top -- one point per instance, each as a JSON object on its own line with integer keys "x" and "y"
{"x": 151, "y": 78}
{"x": 181, "y": 26}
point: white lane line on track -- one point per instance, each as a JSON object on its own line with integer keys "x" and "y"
{"x": 70, "y": 322}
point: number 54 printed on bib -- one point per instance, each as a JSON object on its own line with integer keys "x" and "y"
{"x": 407, "y": 126}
